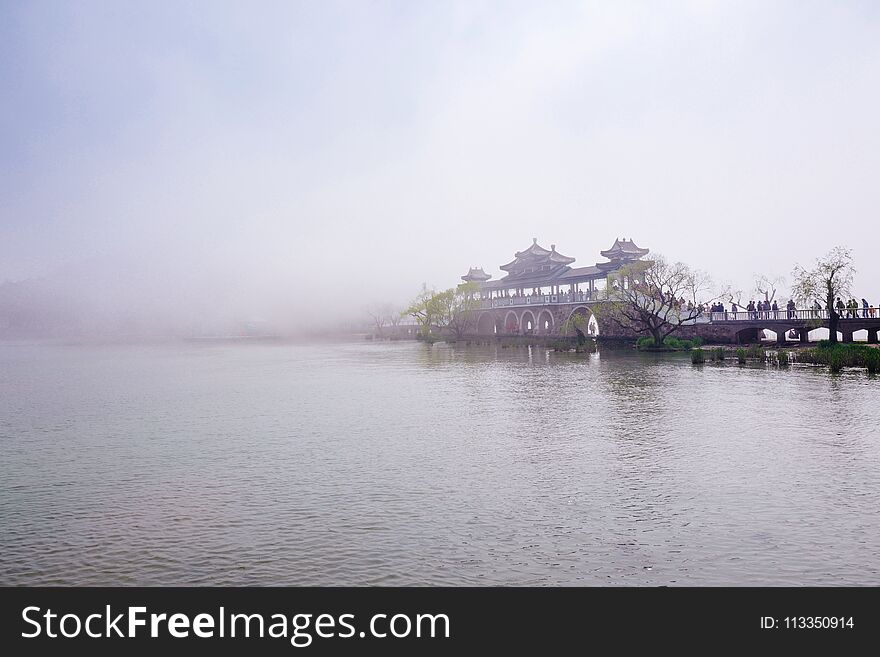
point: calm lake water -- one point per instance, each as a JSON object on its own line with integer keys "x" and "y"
{"x": 400, "y": 464}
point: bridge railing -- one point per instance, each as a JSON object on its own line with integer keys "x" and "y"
{"x": 781, "y": 314}
{"x": 754, "y": 315}
{"x": 785, "y": 314}
{"x": 543, "y": 299}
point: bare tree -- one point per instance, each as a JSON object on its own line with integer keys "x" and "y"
{"x": 655, "y": 298}
{"x": 767, "y": 285}
{"x": 830, "y": 278}
{"x": 379, "y": 317}
{"x": 383, "y": 315}
{"x": 394, "y": 315}
{"x": 733, "y": 295}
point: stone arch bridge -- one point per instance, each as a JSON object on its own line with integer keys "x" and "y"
{"x": 545, "y": 319}
{"x": 545, "y": 315}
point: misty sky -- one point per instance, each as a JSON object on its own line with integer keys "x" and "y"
{"x": 266, "y": 153}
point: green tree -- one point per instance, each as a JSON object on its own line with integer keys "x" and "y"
{"x": 577, "y": 324}
{"x": 451, "y": 310}
{"x": 421, "y": 310}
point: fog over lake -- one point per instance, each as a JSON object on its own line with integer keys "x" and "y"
{"x": 177, "y": 168}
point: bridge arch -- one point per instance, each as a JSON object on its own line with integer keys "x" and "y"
{"x": 591, "y": 326}
{"x": 774, "y": 333}
{"x": 488, "y": 324}
{"x": 527, "y": 323}
{"x": 545, "y": 322}
{"x": 511, "y": 322}
{"x": 749, "y": 334}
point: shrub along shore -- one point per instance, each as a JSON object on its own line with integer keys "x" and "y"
{"x": 835, "y": 356}
{"x": 670, "y": 343}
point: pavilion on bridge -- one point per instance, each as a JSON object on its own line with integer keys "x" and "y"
{"x": 537, "y": 271}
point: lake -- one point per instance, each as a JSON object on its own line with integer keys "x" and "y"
{"x": 398, "y": 463}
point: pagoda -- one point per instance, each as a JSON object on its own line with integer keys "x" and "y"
{"x": 535, "y": 269}
{"x": 537, "y": 260}
{"x": 476, "y": 275}
{"x": 621, "y": 253}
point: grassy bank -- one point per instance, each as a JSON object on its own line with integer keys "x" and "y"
{"x": 671, "y": 343}
{"x": 837, "y": 356}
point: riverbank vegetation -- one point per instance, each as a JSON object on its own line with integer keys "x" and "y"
{"x": 716, "y": 354}
{"x": 838, "y": 355}
{"x": 835, "y": 355}
{"x": 670, "y": 343}
{"x": 572, "y": 346}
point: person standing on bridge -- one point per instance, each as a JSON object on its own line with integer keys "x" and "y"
{"x": 775, "y": 310}
{"x": 864, "y": 308}
{"x": 840, "y": 307}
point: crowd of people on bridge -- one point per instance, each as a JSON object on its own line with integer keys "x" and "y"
{"x": 767, "y": 309}
{"x": 770, "y": 310}
{"x": 850, "y": 309}
{"x": 755, "y": 310}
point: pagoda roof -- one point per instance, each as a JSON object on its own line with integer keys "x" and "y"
{"x": 536, "y": 255}
{"x": 476, "y": 274}
{"x": 581, "y": 273}
{"x": 561, "y": 276}
{"x": 624, "y": 249}
{"x": 538, "y": 267}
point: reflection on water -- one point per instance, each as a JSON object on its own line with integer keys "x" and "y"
{"x": 406, "y": 464}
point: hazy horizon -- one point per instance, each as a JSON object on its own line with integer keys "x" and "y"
{"x": 299, "y": 161}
